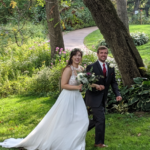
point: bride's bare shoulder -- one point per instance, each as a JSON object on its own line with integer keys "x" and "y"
{"x": 67, "y": 69}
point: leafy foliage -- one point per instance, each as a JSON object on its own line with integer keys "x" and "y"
{"x": 47, "y": 80}
{"x": 135, "y": 98}
{"x": 140, "y": 97}
{"x": 75, "y": 15}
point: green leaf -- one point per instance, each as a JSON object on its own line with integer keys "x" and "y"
{"x": 139, "y": 104}
{"x": 138, "y": 80}
{"x": 148, "y": 101}
{"x": 51, "y": 19}
{"x": 133, "y": 100}
{"x": 56, "y": 24}
{"x": 146, "y": 83}
{"x": 144, "y": 92}
{"x": 124, "y": 90}
{"x": 91, "y": 69}
{"x": 147, "y": 107}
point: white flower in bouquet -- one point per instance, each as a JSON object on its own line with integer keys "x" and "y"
{"x": 80, "y": 76}
{"x": 85, "y": 81}
{"x": 82, "y": 79}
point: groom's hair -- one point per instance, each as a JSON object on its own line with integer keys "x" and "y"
{"x": 101, "y": 48}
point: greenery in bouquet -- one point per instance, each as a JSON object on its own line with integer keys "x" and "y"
{"x": 86, "y": 78}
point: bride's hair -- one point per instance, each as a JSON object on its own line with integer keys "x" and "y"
{"x": 73, "y": 53}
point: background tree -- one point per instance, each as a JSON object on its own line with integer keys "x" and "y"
{"x": 118, "y": 38}
{"x": 54, "y": 25}
{"x": 136, "y": 5}
{"x": 16, "y": 13}
{"x": 147, "y": 6}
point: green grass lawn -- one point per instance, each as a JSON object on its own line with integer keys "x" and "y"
{"x": 19, "y": 115}
{"x": 92, "y": 40}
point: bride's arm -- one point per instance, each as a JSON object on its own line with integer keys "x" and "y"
{"x": 65, "y": 79}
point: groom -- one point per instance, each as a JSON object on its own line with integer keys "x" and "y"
{"x": 96, "y": 99}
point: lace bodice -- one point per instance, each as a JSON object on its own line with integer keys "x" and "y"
{"x": 72, "y": 80}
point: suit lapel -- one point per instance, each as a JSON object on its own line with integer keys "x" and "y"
{"x": 99, "y": 68}
{"x": 108, "y": 72}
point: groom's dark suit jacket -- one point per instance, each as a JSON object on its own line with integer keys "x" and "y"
{"x": 94, "y": 98}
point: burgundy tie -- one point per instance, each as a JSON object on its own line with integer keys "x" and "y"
{"x": 104, "y": 70}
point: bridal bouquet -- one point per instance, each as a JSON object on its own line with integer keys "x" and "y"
{"x": 86, "y": 78}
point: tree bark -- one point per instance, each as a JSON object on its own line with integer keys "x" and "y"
{"x": 136, "y": 5}
{"x": 122, "y": 12}
{"x": 54, "y": 26}
{"x": 115, "y": 33}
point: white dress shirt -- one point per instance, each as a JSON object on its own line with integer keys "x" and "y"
{"x": 101, "y": 64}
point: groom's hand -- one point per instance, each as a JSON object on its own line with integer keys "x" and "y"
{"x": 118, "y": 98}
{"x": 100, "y": 87}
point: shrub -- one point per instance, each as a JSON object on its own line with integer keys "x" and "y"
{"x": 139, "y": 38}
{"x": 140, "y": 95}
{"x": 15, "y": 87}
{"x": 136, "y": 98}
{"x": 47, "y": 80}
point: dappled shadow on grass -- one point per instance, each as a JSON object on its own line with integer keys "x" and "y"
{"x": 21, "y": 115}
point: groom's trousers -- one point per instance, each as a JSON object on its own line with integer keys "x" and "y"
{"x": 99, "y": 123}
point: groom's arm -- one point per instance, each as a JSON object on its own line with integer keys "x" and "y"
{"x": 114, "y": 85}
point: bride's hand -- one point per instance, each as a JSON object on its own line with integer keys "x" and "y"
{"x": 79, "y": 87}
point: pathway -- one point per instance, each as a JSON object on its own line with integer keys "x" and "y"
{"x": 75, "y": 39}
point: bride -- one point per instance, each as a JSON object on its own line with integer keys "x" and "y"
{"x": 65, "y": 125}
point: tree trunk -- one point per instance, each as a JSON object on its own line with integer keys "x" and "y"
{"x": 136, "y": 8}
{"x": 122, "y": 12}
{"x": 147, "y": 6}
{"x": 136, "y": 5}
{"x": 54, "y": 25}
{"x": 115, "y": 33}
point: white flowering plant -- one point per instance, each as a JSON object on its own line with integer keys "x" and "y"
{"x": 139, "y": 38}
{"x": 111, "y": 65}
{"x": 87, "y": 78}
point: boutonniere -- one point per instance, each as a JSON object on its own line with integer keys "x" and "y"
{"x": 111, "y": 65}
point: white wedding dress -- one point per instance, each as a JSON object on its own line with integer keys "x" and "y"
{"x": 64, "y": 127}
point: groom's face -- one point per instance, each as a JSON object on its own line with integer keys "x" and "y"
{"x": 102, "y": 55}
